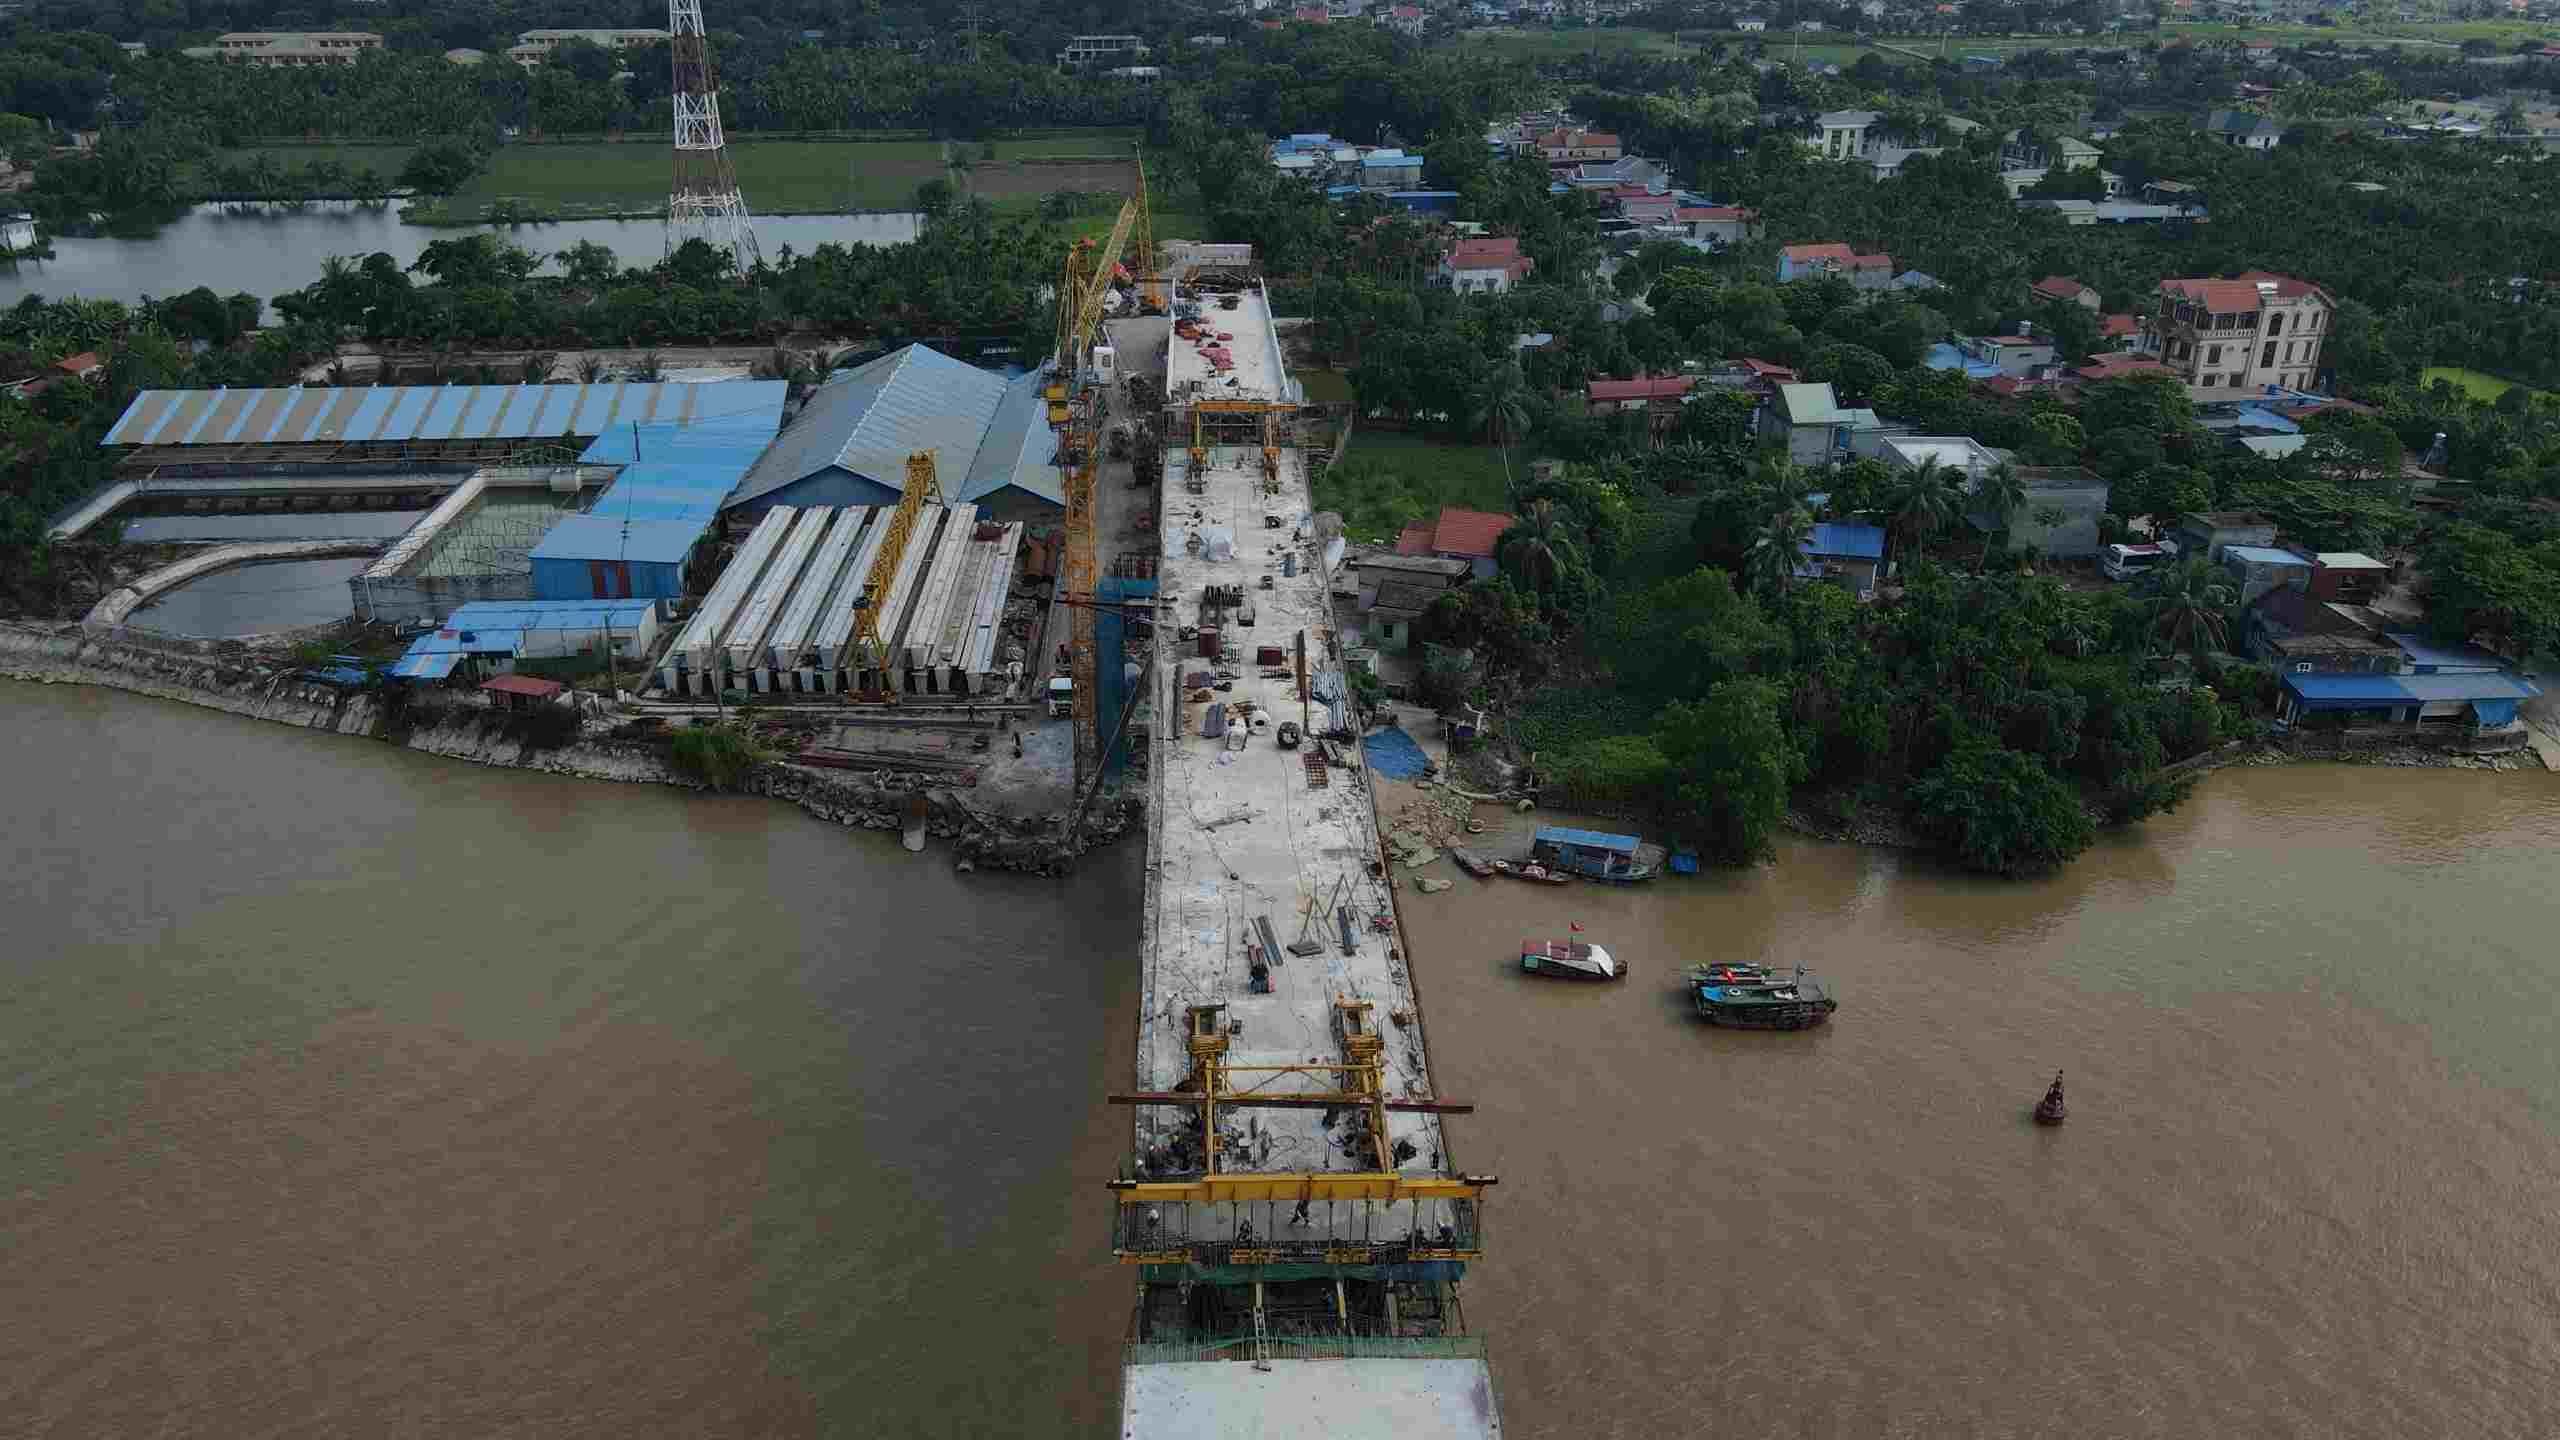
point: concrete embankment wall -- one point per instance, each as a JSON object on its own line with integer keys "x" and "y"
{"x": 221, "y": 675}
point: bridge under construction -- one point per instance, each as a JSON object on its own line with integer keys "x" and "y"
{"x": 1293, "y": 1207}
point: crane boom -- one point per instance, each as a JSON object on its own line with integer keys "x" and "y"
{"x": 869, "y": 645}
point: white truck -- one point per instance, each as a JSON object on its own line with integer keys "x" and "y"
{"x": 1062, "y": 697}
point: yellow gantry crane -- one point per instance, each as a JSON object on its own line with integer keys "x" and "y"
{"x": 1077, "y": 406}
{"x": 870, "y": 647}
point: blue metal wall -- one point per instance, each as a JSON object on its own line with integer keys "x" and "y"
{"x": 1110, "y": 631}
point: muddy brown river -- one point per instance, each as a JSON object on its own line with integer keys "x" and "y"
{"x": 353, "y": 1091}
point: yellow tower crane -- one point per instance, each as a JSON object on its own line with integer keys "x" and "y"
{"x": 1077, "y": 405}
{"x": 870, "y": 647}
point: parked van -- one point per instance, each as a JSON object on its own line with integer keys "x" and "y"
{"x": 2124, "y": 562}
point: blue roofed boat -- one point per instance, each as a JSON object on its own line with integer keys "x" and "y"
{"x": 1595, "y": 854}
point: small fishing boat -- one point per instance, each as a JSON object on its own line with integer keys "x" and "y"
{"x": 918, "y": 812}
{"x": 1570, "y": 960}
{"x": 2049, "y": 1110}
{"x": 1764, "y": 1001}
{"x": 1471, "y": 862}
{"x": 1530, "y": 870}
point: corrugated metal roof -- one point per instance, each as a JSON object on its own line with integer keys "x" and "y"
{"x": 866, "y": 421}
{"x": 1832, "y": 537}
{"x": 2265, "y": 555}
{"x": 609, "y": 537}
{"x": 420, "y": 665}
{"x": 1018, "y": 447}
{"x": 521, "y": 615}
{"x": 2358, "y": 689}
{"x": 309, "y": 415}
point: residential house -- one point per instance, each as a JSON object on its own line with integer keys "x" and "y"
{"x": 1394, "y": 590}
{"x": 2171, "y": 192}
{"x": 2232, "y": 339}
{"x": 1485, "y": 265}
{"x": 2348, "y": 576}
{"x": 1843, "y": 134}
{"x": 2207, "y": 532}
{"x": 295, "y": 49}
{"x": 17, "y": 232}
{"x": 535, "y": 47}
{"x": 84, "y": 366}
{"x": 2261, "y": 53}
{"x": 1866, "y": 272}
{"x": 2473, "y": 711}
{"x": 1845, "y": 554}
{"x": 2261, "y": 568}
{"x": 465, "y": 55}
{"x": 2119, "y": 329}
{"x": 2011, "y": 354}
{"x": 1649, "y": 209}
{"x": 2296, "y": 632}
{"x": 1750, "y": 24}
{"x": 1885, "y": 162}
{"x": 1717, "y": 225}
{"x": 1657, "y": 397}
{"x": 1813, "y": 426}
{"x": 1468, "y": 535}
{"x": 1084, "y": 50}
{"x": 1405, "y": 19}
{"x": 1565, "y": 149}
{"x": 2245, "y": 129}
{"x": 2061, "y": 513}
{"x": 2068, "y": 291}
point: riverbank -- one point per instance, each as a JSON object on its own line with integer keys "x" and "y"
{"x": 228, "y": 676}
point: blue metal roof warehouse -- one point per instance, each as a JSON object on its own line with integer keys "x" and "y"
{"x": 636, "y": 538}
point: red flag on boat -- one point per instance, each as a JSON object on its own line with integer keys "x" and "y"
{"x": 1577, "y": 927}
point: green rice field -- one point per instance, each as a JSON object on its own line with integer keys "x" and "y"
{"x": 781, "y": 177}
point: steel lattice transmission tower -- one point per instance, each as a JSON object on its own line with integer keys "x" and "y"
{"x": 705, "y": 202}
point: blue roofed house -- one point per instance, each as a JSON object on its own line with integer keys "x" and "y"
{"x": 850, "y": 444}
{"x": 1845, "y": 554}
{"x": 1389, "y": 169}
{"x": 2461, "y": 710}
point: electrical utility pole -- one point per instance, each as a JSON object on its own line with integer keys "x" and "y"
{"x": 704, "y": 203}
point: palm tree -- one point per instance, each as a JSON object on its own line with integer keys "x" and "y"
{"x": 1998, "y": 495}
{"x": 1924, "y": 504}
{"x": 1775, "y": 558}
{"x": 2186, "y": 607}
{"x": 1541, "y": 545}
{"x": 590, "y": 369}
{"x": 538, "y": 367}
{"x": 1499, "y": 407}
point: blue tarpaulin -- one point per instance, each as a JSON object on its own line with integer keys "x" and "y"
{"x": 1394, "y": 754}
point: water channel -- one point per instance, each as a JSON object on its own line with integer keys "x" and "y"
{"x": 346, "y": 1083}
{"x": 265, "y": 251}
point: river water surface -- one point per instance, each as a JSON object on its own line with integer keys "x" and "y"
{"x": 351, "y": 1091}
{"x": 267, "y": 250}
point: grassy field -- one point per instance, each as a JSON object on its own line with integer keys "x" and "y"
{"x": 1387, "y": 478}
{"x": 1094, "y": 145}
{"x": 2478, "y": 384}
{"x": 782, "y": 177}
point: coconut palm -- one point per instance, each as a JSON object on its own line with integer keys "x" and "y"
{"x": 1499, "y": 407}
{"x": 1998, "y": 495}
{"x": 1775, "y": 558}
{"x": 2186, "y": 607}
{"x": 590, "y": 369}
{"x": 1924, "y": 504}
{"x": 1540, "y": 546}
{"x": 538, "y": 367}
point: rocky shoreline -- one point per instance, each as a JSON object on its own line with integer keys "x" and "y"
{"x": 231, "y": 678}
